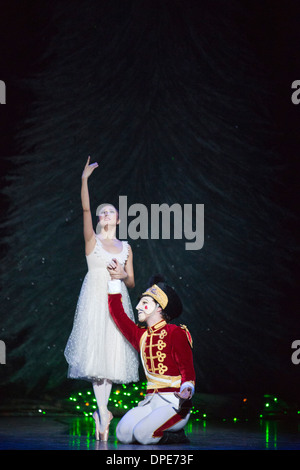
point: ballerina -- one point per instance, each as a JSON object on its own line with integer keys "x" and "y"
{"x": 96, "y": 350}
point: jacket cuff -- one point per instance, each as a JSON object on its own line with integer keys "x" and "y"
{"x": 114, "y": 287}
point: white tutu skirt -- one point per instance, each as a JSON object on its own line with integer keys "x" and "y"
{"x": 96, "y": 349}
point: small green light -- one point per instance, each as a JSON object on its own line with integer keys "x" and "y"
{"x": 267, "y": 405}
{"x": 204, "y": 415}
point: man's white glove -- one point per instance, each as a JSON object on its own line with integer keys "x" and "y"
{"x": 114, "y": 286}
{"x": 188, "y": 385}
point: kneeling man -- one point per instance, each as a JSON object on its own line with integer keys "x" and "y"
{"x": 167, "y": 359}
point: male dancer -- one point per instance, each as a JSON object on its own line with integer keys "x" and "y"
{"x": 167, "y": 359}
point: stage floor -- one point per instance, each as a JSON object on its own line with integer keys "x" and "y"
{"x": 77, "y": 433}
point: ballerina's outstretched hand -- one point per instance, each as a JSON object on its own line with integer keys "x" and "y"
{"x": 89, "y": 168}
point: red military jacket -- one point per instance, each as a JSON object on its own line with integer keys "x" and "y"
{"x": 165, "y": 349}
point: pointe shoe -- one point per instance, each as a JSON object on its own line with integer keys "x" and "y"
{"x": 104, "y": 434}
{"x": 97, "y": 425}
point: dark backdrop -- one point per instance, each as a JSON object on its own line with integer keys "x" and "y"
{"x": 179, "y": 102}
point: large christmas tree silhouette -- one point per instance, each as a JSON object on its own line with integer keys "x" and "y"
{"x": 178, "y": 103}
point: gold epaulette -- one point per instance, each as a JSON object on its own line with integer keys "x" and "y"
{"x": 188, "y": 335}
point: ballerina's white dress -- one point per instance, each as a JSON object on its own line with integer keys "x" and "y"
{"x": 96, "y": 349}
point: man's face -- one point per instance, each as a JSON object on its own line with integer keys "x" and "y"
{"x": 146, "y": 307}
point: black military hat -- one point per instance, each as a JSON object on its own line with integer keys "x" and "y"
{"x": 165, "y": 296}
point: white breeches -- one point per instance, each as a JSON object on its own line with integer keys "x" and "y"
{"x": 155, "y": 414}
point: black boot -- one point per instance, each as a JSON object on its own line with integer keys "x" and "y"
{"x": 177, "y": 437}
